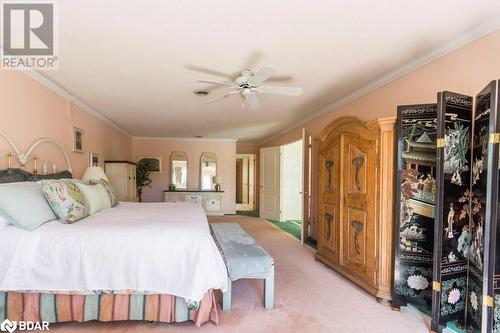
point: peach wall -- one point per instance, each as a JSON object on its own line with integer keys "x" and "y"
{"x": 29, "y": 111}
{"x": 243, "y": 148}
{"x": 163, "y": 147}
{"x": 466, "y": 70}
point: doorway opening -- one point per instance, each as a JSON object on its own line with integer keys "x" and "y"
{"x": 245, "y": 182}
{"x": 281, "y": 187}
{"x": 286, "y": 184}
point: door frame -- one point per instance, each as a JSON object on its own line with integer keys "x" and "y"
{"x": 309, "y": 177}
{"x": 306, "y": 184}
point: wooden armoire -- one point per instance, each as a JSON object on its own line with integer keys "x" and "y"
{"x": 356, "y": 201}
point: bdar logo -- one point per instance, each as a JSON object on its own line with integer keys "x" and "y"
{"x": 8, "y": 326}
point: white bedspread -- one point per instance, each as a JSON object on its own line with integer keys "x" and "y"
{"x": 156, "y": 247}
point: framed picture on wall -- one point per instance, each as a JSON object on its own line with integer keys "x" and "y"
{"x": 93, "y": 159}
{"x": 153, "y": 163}
{"x": 77, "y": 140}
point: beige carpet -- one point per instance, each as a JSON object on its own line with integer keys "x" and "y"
{"x": 309, "y": 298}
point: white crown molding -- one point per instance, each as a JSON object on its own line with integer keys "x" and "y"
{"x": 37, "y": 76}
{"x": 454, "y": 44}
{"x": 184, "y": 139}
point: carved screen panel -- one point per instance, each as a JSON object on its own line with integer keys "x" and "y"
{"x": 478, "y": 207}
{"x": 415, "y": 213}
{"x": 452, "y": 228}
{"x": 486, "y": 178}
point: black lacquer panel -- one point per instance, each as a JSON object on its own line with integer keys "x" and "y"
{"x": 478, "y": 210}
{"x": 488, "y": 105}
{"x": 452, "y": 232}
{"x": 415, "y": 213}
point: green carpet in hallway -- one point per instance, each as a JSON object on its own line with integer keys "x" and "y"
{"x": 251, "y": 213}
{"x": 294, "y": 228}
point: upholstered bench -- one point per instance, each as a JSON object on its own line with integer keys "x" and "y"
{"x": 245, "y": 259}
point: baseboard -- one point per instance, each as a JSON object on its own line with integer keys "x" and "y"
{"x": 229, "y": 212}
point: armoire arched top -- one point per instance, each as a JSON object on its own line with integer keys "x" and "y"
{"x": 353, "y": 125}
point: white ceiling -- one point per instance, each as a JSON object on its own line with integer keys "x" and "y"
{"x": 133, "y": 60}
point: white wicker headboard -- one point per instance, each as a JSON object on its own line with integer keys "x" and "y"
{"x": 23, "y": 158}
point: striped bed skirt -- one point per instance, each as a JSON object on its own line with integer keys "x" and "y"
{"x": 59, "y": 307}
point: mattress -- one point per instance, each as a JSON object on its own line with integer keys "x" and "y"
{"x": 155, "y": 248}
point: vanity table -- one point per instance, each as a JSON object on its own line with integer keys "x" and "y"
{"x": 210, "y": 200}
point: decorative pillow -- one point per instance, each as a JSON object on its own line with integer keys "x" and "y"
{"x": 24, "y": 205}
{"x": 113, "y": 196}
{"x": 96, "y": 196}
{"x": 66, "y": 200}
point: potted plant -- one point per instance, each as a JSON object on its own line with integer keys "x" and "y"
{"x": 143, "y": 178}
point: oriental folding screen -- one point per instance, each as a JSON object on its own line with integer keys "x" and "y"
{"x": 447, "y": 211}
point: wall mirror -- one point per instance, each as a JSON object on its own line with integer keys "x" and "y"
{"x": 208, "y": 170}
{"x": 179, "y": 169}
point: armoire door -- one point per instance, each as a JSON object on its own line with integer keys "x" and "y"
{"x": 329, "y": 201}
{"x": 131, "y": 183}
{"x": 358, "y": 177}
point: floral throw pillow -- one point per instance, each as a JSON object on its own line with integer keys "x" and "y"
{"x": 113, "y": 196}
{"x": 65, "y": 199}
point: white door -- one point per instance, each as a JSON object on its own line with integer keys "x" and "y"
{"x": 270, "y": 183}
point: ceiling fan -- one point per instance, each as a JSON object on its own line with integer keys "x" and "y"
{"x": 248, "y": 83}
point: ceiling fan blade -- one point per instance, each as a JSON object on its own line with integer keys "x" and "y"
{"x": 209, "y": 71}
{"x": 218, "y": 82}
{"x": 251, "y": 62}
{"x": 223, "y": 96}
{"x": 287, "y": 91}
{"x": 262, "y": 75}
{"x": 252, "y": 100}
{"x": 280, "y": 78}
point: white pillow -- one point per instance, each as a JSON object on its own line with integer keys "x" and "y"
{"x": 25, "y": 205}
{"x": 96, "y": 196}
{"x": 4, "y": 219}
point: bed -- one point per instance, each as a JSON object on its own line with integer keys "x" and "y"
{"x": 135, "y": 261}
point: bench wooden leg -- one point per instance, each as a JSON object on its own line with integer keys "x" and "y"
{"x": 226, "y": 297}
{"x": 269, "y": 291}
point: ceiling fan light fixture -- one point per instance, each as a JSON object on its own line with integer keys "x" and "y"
{"x": 246, "y": 73}
{"x": 249, "y": 83}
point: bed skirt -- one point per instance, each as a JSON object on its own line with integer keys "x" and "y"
{"x": 60, "y": 307}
